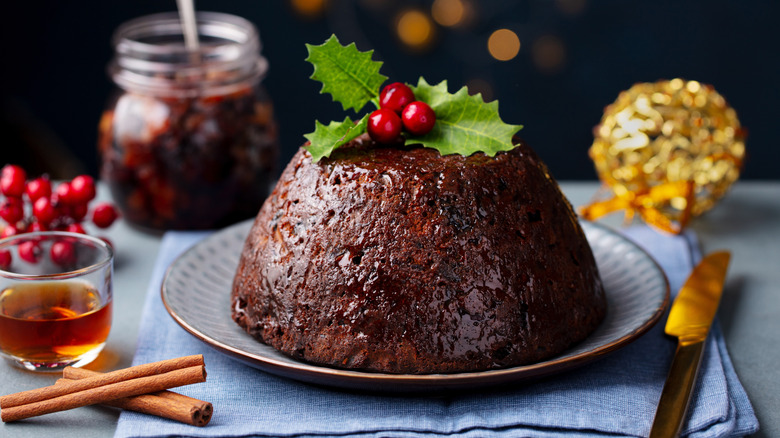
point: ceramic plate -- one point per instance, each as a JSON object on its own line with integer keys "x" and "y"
{"x": 196, "y": 292}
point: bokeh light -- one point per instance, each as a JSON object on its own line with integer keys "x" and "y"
{"x": 503, "y": 44}
{"x": 448, "y": 12}
{"x": 309, "y": 8}
{"x": 482, "y": 87}
{"x": 571, "y": 7}
{"x": 548, "y": 54}
{"x": 415, "y": 29}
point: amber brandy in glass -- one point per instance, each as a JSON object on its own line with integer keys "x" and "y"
{"x": 52, "y": 314}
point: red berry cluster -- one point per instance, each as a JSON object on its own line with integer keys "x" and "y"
{"x": 60, "y": 208}
{"x": 398, "y": 110}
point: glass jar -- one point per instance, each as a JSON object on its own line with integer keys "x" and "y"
{"x": 189, "y": 140}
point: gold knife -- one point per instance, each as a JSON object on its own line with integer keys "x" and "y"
{"x": 689, "y": 321}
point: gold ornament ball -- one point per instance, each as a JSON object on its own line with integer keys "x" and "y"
{"x": 666, "y": 132}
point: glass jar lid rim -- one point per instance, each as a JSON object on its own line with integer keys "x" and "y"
{"x": 232, "y": 29}
{"x": 151, "y": 57}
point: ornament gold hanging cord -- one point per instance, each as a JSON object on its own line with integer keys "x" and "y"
{"x": 668, "y": 151}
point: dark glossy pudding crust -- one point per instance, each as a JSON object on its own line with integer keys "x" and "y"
{"x": 400, "y": 260}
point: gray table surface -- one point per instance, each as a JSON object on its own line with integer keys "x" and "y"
{"x": 746, "y": 221}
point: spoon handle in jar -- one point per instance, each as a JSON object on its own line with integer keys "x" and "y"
{"x": 189, "y": 24}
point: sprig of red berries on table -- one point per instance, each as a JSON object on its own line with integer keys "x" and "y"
{"x": 37, "y": 205}
{"x": 398, "y": 109}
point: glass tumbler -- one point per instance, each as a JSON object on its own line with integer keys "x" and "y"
{"x": 55, "y": 299}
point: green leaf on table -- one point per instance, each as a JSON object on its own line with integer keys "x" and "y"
{"x": 325, "y": 139}
{"x": 464, "y": 124}
{"x": 351, "y": 77}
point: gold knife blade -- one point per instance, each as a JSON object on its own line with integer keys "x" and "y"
{"x": 689, "y": 321}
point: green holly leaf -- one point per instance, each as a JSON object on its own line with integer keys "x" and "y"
{"x": 325, "y": 139}
{"x": 464, "y": 124}
{"x": 351, "y": 77}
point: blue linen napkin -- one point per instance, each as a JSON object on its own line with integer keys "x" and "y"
{"x": 615, "y": 396}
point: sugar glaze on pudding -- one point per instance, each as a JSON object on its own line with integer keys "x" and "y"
{"x": 400, "y": 260}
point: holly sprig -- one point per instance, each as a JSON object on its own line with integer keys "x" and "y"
{"x": 465, "y": 124}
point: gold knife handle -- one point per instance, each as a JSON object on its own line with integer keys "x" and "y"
{"x": 677, "y": 390}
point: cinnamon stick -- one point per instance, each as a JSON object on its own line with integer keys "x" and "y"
{"x": 70, "y": 398}
{"x": 166, "y": 404}
{"x": 149, "y": 369}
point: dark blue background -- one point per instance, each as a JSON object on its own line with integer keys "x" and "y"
{"x": 54, "y": 84}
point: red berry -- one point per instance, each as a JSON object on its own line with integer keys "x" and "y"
{"x": 9, "y": 230}
{"x": 37, "y": 226}
{"x": 12, "y": 210}
{"x": 82, "y": 189}
{"x": 12, "y": 180}
{"x": 5, "y": 259}
{"x": 63, "y": 253}
{"x": 107, "y": 240}
{"x": 384, "y": 125}
{"x": 104, "y": 215}
{"x": 30, "y": 251}
{"x": 44, "y": 211}
{"x": 76, "y": 212}
{"x": 39, "y": 188}
{"x": 395, "y": 97}
{"x": 64, "y": 194}
{"x": 76, "y": 228}
{"x": 418, "y": 118}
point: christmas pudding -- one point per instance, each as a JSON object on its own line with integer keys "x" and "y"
{"x": 406, "y": 261}
{"x": 419, "y": 239}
